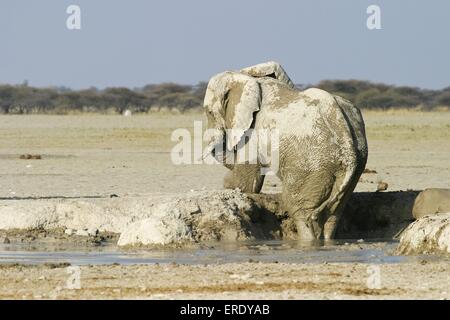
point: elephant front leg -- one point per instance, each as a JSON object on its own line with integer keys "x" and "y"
{"x": 246, "y": 177}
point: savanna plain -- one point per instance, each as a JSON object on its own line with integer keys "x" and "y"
{"x": 104, "y": 156}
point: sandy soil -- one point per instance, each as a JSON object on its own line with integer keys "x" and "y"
{"x": 91, "y": 155}
{"x": 228, "y": 281}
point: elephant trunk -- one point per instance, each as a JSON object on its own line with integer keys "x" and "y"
{"x": 217, "y": 149}
{"x": 215, "y": 145}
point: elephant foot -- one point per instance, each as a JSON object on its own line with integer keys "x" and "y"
{"x": 305, "y": 231}
{"x": 329, "y": 228}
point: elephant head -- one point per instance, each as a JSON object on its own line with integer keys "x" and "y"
{"x": 231, "y": 100}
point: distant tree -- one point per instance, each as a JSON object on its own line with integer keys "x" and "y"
{"x": 443, "y": 99}
{"x": 365, "y": 94}
{"x": 164, "y": 88}
{"x": 199, "y": 90}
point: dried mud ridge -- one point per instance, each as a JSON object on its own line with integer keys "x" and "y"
{"x": 192, "y": 218}
{"x": 55, "y": 236}
{"x": 428, "y": 235}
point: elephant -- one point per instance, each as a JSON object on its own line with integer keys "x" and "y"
{"x": 431, "y": 201}
{"x": 322, "y": 146}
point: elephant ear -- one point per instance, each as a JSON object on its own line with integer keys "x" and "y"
{"x": 241, "y": 101}
{"x": 269, "y": 69}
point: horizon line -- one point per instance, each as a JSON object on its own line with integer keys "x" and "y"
{"x": 101, "y": 88}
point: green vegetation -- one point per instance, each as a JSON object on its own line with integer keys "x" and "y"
{"x": 23, "y": 99}
{"x": 368, "y": 95}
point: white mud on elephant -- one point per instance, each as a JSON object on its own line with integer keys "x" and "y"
{"x": 321, "y": 149}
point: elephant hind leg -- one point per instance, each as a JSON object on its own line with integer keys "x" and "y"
{"x": 329, "y": 228}
{"x": 302, "y": 196}
{"x": 336, "y": 210}
{"x": 333, "y": 216}
{"x": 307, "y": 229}
{"x": 246, "y": 177}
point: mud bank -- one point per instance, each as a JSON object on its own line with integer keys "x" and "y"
{"x": 157, "y": 219}
{"x": 377, "y": 215}
{"x": 200, "y": 216}
{"x": 428, "y": 235}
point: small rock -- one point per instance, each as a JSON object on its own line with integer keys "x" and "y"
{"x": 83, "y": 233}
{"x": 69, "y": 231}
{"x": 241, "y": 276}
{"x": 382, "y": 186}
{"x": 92, "y": 232}
{"x": 360, "y": 240}
{"x": 30, "y": 157}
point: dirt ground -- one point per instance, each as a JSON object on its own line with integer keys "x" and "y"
{"x": 228, "y": 281}
{"x": 99, "y": 155}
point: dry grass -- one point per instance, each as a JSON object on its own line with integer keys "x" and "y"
{"x": 98, "y": 154}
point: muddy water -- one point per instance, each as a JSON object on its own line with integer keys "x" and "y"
{"x": 213, "y": 253}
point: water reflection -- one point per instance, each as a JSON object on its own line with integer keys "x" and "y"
{"x": 208, "y": 253}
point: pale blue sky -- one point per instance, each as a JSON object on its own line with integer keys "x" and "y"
{"x": 136, "y": 42}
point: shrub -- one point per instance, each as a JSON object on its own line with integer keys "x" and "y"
{"x": 23, "y": 99}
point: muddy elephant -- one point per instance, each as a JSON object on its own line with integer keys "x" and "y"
{"x": 322, "y": 147}
{"x": 431, "y": 201}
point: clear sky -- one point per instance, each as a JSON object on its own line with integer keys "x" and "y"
{"x": 136, "y": 42}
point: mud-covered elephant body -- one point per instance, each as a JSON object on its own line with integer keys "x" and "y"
{"x": 322, "y": 143}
